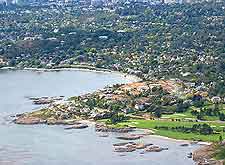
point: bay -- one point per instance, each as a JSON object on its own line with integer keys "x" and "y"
{"x": 46, "y": 145}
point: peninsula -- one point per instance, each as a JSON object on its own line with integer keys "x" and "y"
{"x": 168, "y": 108}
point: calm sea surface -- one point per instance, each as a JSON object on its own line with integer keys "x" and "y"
{"x": 52, "y": 145}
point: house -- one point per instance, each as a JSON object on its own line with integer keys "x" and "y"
{"x": 142, "y": 103}
{"x": 127, "y": 110}
{"x": 139, "y": 106}
{"x": 103, "y": 37}
{"x": 216, "y": 99}
{"x": 2, "y": 61}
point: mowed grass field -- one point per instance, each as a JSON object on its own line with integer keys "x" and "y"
{"x": 188, "y": 115}
{"x": 151, "y": 124}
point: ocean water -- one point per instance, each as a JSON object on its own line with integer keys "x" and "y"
{"x": 52, "y": 145}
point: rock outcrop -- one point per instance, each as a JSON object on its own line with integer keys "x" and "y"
{"x": 204, "y": 156}
{"x": 132, "y": 146}
{"x": 77, "y": 126}
{"x": 31, "y": 120}
{"x": 28, "y": 120}
{"x": 105, "y": 128}
{"x": 155, "y": 149}
{"x": 130, "y": 137}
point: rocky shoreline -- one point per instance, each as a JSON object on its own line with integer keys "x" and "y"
{"x": 127, "y": 134}
{"x": 45, "y": 100}
{"x": 63, "y": 114}
{"x": 29, "y": 120}
{"x": 205, "y": 154}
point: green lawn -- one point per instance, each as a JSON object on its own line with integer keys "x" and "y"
{"x": 189, "y": 136}
{"x": 188, "y": 115}
{"x": 150, "y": 124}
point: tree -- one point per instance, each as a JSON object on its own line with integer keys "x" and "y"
{"x": 200, "y": 116}
{"x": 194, "y": 112}
{"x": 91, "y": 103}
{"x": 216, "y": 109}
{"x": 198, "y": 103}
{"x": 206, "y": 129}
{"x": 152, "y": 108}
{"x": 220, "y": 138}
{"x": 222, "y": 116}
{"x": 12, "y": 62}
{"x": 117, "y": 117}
{"x": 181, "y": 106}
{"x": 158, "y": 113}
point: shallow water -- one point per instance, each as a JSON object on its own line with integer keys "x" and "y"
{"x": 45, "y": 145}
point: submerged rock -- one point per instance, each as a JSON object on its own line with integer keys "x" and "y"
{"x": 184, "y": 145}
{"x": 130, "y": 137}
{"x": 189, "y": 155}
{"x": 124, "y": 149}
{"x": 155, "y": 149}
{"x": 122, "y": 155}
{"x": 104, "y": 135}
{"x": 77, "y": 126}
{"x": 123, "y": 144}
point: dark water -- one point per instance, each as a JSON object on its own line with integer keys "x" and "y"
{"x": 52, "y": 145}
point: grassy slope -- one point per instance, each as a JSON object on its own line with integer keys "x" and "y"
{"x": 150, "y": 124}
{"x": 188, "y": 115}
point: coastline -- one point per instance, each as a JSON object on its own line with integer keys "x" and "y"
{"x": 147, "y": 132}
{"x": 131, "y": 77}
{"x": 179, "y": 140}
{"x": 149, "y": 135}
